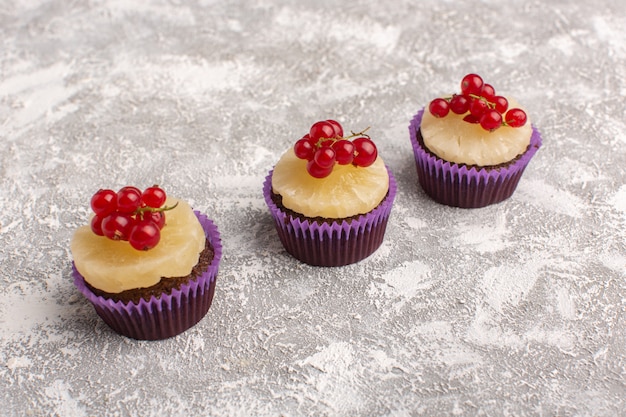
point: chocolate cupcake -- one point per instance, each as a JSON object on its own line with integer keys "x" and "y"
{"x": 472, "y": 148}
{"x": 330, "y": 197}
{"x": 150, "y": 294}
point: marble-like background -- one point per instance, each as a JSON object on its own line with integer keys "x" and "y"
{"x": 516, "y": 309}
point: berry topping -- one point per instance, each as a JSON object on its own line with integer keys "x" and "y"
{"x": 158, "y": 217}
{"x": 337, "y": 127}
{"x": 321, "y": 130}
{"x": 491, "y": 119}
{"x": 304, "y": 149}
{"x": 145, "y": 235}
{"x": 96, "y": 225}
{"x": 325, "y": 157}
{"x": 515, "y": 118}
{"x": 480, "y": 104}
{"x": 317, "y": 171}
{"x": 116, "y": 226}
{"x": 459, "y": 103}
{"x": 366, "y": 152}
{"x": 325, "y": 145}
{"x": 344, "y": 151}
{"x": 488, "y": 92}
{"x": 130, "y": 215}
{"x": 501, "y": 103}
{"x": 439, "y": 107}
{"x": 477, "y": 107}
{"x": 104, "y": 202}
{"x": 128, "y": 199}
{"x": 472, "y": 84}
{"x": 153, "y": 197}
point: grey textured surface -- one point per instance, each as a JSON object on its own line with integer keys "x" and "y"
{"x": 516, "y": 309}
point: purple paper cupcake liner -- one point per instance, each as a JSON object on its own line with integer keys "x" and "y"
{"x": 335, "y": 243}
{"x": 467, "y": 187}
{"x": 169, "y": 314}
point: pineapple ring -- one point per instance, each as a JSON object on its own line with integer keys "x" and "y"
{"x": 454, "y": 140}
{"x": 347, "y": 191}
{"x": 114, "y": 266}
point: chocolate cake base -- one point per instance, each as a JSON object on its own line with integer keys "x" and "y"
{"x": 164, "y": 286}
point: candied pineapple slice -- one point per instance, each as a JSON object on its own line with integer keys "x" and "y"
{"x": 347, "y": 191}
{"x": 114, "y": 266}
{"x": 455, "y": 140}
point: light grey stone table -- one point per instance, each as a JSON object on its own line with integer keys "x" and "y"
{"x": 516, "y": 309}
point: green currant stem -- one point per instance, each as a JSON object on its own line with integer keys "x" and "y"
{"x": 141, "y": 210}
{"x": 352, "y": 135}
{"x": 490, "y": 104}
{"x": 361, "y": 133}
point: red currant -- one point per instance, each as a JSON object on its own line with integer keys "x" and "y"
{"x": 480, "y": 101}
{"x": 104, "y": 202}
{"x": 477, "y": 107}
{"x": 153, "y": 197}
{"x": 470, "y": 118}
{"x": 459, "y": 104}
{"x": 316, "y": 171}
{"x": 344, "y": 151}
{"x": 501, "y": 103}
{"x": 144, "y": 235}
{"x": 304, "y": 149}
{"x": 337, "y": 128}
{"x": 117, "y": 226}
{"x": 321, "y": 130}
{"x": 158, "y": 217}
{"x": 491, "y": 120}
{"x": 96, "y": 225}
{"x": 366, "y": 152}
{"x": 325, "y": 157}
{"x": 515, "y": 118}
{"x": 326, "y": 143}
{"x": 439, "y": 107}
{"x": 488, "y": 92}
{"x": 472, "y": 84}
{"x": 128, "y": 199}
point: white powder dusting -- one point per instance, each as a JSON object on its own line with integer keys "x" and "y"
{"x": 507, "y": 285}
{"x": 608, "y": 29}
{"x": 563, "y": 43}
{"x": 18, "y": 362}
{"x": 181, "y": 75}
{"x": 336, "y": 375}
{"x": 486, "y": 331}
{"x": 351, "y": 31}
{"x": 24, "y": 308}
{"x": 402, "y": 283}
{"x": 550, "y": 198}
{"x": 565, "y": 303}
{"x": 618, "y": 200}
{"x": 39, "y": 92}
{"x": 484, "y": 236}
{"x": 61, "y": 402}
{"x": 415, "y": 223}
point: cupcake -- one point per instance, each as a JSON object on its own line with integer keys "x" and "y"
{"x": 471, "y": 149}
{"x": 147, "y": 262}
{"x": 330, "y": 196}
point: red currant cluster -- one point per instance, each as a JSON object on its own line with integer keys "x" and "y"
{"x": 482, "y": 105}
{"x": 325, "y": 145}
{"x": 130, "y": 214}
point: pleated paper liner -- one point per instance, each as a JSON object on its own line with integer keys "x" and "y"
{"x": 169, "y": 314}
{"x": 468, "y": 187}
{"x": 336, "y": 242}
